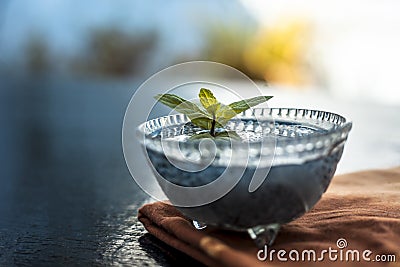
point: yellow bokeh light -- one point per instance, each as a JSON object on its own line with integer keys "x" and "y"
{"x": 279, "y": 54}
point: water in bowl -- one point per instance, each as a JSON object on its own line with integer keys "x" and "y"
{"x": 287, "y": 192}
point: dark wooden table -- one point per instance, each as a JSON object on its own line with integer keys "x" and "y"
{"x": 66, "y": 196}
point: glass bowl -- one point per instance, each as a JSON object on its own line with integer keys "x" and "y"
{"x": 276, "y": 173}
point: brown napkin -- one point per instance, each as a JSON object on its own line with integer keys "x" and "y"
{"x": 363, "y": 208}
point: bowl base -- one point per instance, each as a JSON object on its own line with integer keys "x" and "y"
{"x": 264, "y": 234}
{"x": 199, "y": 225}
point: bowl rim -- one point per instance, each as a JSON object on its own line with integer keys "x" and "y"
{"x": 281, "y": 150}
{"x": 343, "y": 124}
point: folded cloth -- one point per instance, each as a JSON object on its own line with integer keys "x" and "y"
{"x": 359, "y": 212}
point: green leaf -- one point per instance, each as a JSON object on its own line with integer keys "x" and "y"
{"x": 170, "y": 100}
{"x": 210, "y": 111}
{"x": 208, "y": 100}
{"x": 213, "y": 108}
{"x": 196, "y": 114}
{"x": 225, "y": 113}
{"x": 205, "y": 123}
{"x": 245, "y": 104}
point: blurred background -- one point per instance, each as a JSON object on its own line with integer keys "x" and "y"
{"x": 345, "y": 47}
{"x": 68, "y": 69}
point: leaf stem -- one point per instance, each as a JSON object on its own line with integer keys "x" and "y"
{"x": 212, "y": 130}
